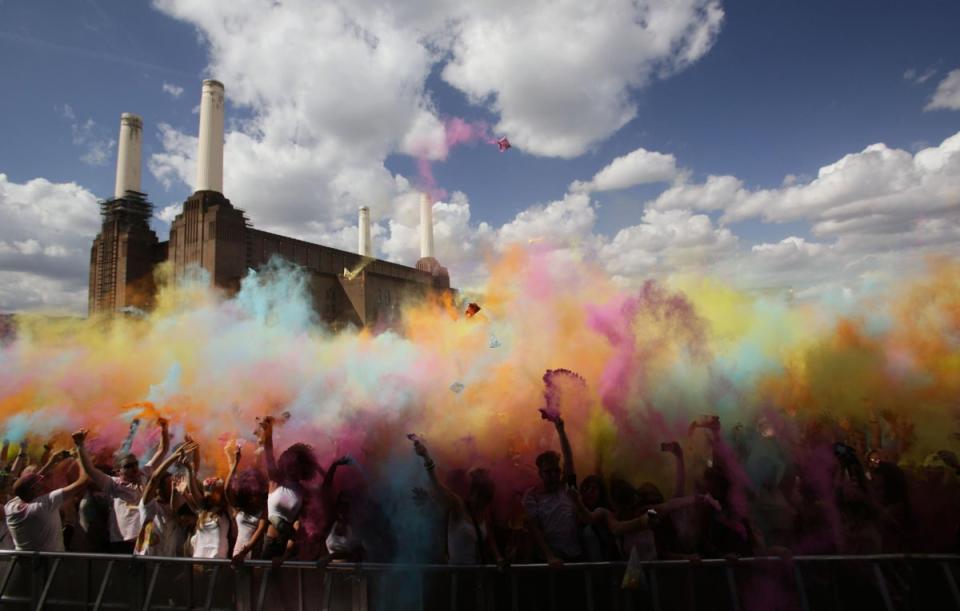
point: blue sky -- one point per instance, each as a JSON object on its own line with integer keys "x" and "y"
{"x": 782, "y": 88}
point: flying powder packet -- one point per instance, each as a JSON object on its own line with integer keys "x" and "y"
{"x": 457, "y": 387}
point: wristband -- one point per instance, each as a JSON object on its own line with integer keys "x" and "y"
{"x": 429, "y": 465}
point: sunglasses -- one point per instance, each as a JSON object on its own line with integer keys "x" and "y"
{"x": 130, "y": 467}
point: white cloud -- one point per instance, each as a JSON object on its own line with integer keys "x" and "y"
{"x": 175, "y": 91}
{"x": 670, "y": 241}
{"x": 638, "y": 167}
{"x": 98, "y": 143}
{"x": 879, "y": 189}
{"x": 917, "y": 77}
{"x": 45, "y": 234}
{"x": 559, "y": 75}
{"x": 947, "y": 95}
{"x": 336, "y": 88}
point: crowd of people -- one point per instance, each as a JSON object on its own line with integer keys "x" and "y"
{"x": 819, "y": 490}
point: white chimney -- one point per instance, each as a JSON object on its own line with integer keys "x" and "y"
{"x": 210, "y": 148}
{"x": 426, "y": 226}
{"x": 128, "y": 154}
{"x": 364, "y": 246}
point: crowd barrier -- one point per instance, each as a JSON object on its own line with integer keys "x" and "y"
{"x": 37, "y": 581}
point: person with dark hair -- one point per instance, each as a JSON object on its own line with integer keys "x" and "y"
{"x": 599, "y": 544}
{"x": 158, "y": 530}
{"x": 33, "y": 514}
{"x": 468, "y": 525}
{"x": 552, "y": 516}
{"x": 247, "y": 501}
{"x": 125, "y": 489}
{"x": 342, "y": 541}
{"x": 287, "y": 476}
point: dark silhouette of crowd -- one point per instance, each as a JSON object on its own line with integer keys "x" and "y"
{"x": 770, "y": 488}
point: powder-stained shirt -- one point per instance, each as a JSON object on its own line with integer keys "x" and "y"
{"x": 125, "y": 522}
{"x": 556, "y": 514}
{"x": 159, "y": 533}
{"x": 36, "y": 526}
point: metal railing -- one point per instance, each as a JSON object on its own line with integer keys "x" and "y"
{"x": 38, "y": 581}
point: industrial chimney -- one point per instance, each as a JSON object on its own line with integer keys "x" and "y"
{"x": 364, "y": 246}
{"x": 426, "y": 226}
{"x": 210, "y": 147}
{"x": 128, "y": 154}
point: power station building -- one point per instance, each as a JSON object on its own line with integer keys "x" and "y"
{"x": 210, "y": 233}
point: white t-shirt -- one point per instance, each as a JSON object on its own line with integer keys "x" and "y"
{"x": 556, "y": 514}
{"x": 125, "y": 521}
{"x": 159, "y": 531}
{"x": 36, "y": 526}
{"x": 210, "y": 538}
{"x": 246, "y": 526}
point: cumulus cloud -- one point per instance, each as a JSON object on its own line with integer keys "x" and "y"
{"x": 947, "y": 95}
{"x": 638, "y": 167}
{"x": 175, "y": 91}
{"x": 667, "y": 241}
{"x": 879, "y": 189}
{"x": 559, "y": 75}
{"x": 45, "y": 234}
{"x": 335, "y": 88}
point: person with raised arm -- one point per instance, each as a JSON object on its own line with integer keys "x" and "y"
{"x": 287, "y": 476}
{"x": 158, "y": 530}
{"x": 469, "y": 528}
{"x": 247, "y": 501}
{"x": 211, "y": 535}
{"x": 125, "y": 489}
{"x": 342, "y": 541}
{"x": 33, "y": 514}
{"x": 553, "y": 518}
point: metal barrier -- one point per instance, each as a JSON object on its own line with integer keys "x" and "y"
{"x": 38, "y": 581}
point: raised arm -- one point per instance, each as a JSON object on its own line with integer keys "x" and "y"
{"x": 53, "y": 460}
{"x": 232, "y": 450}
{"x": 47, "y": 452}
{"x": 20, "y": 462}
{"x": 569, "y": 470}
{"x": 157, "y": 474}
{"x": 4, "y": 453}
{"x": 326, "y": 489}
{"x": 446, "y": 497}
{"x": 164, "y": 444}
{"x": 679, "y": 473}
{"x": 195, "y": 495}
{"x": 100, "y": 479}
{"x": 266, "y": 440}
{"x": 75, "y": 488}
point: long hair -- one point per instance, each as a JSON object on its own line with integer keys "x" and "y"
{"x": 298, "y": 464}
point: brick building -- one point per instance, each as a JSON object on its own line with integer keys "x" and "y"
{"x": 210, "y": 233}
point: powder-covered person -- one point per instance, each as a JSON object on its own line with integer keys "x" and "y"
{"x": 125, "y": 489}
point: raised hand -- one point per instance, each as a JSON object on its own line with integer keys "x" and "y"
{"x": 232, "y": 450}
{"x": 346, "y": 459}
{"x": 79, "y": 437}
{"x": 551, "y": 415}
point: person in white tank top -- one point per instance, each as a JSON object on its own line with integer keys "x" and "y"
{"x": 469, "y": 533}
{"x": 342, "y": 540}
{"x": 211, "y": 536}
{"x": 246, "y": 500}
{"x": 295, "y": 466}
